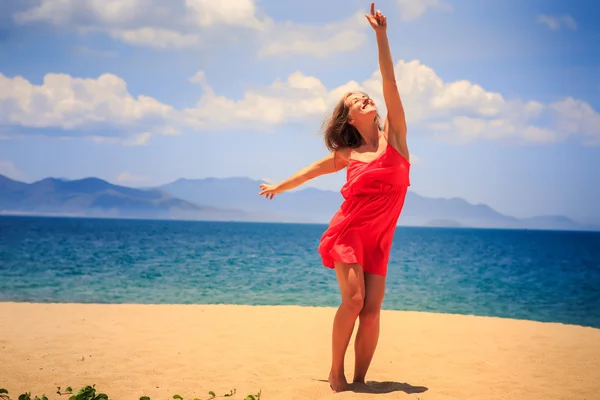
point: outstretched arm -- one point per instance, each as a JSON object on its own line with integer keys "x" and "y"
{"x": 331, "y": 163}
{"x": 395, "y": 121}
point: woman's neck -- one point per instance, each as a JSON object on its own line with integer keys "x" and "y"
{"x": 370, "y": 134}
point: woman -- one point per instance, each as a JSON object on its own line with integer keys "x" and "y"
{"x": 358, "y": 240}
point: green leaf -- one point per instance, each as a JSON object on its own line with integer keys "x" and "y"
{"x": 25, "y": 396}
{"x": 69, "y": 389}
{"x": 176, "y": 396}
{"x": 85, "y": 393}
{"x": 2, "y": 390}
{"x": 101, "y": 396}
{"x": 144, "y": 398}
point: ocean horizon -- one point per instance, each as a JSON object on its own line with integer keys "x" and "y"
{"x": 547, "y": 276}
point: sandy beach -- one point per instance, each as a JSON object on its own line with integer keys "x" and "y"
{"x": 129, "y": 351}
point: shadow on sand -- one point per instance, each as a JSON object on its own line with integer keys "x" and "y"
{"x": 374, "y": 387}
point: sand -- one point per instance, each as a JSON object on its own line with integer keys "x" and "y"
{"x": 129, "y": 351}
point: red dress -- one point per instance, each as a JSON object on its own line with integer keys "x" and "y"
{"x": 362, "y": 230}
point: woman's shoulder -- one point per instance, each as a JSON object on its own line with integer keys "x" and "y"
{"x": 343, "y": 153}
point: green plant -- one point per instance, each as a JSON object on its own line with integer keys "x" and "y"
{"x": 214, "y": 396}
{"x": 85, "y": 393}
{"x": 25, "y": 396}
{"x": 89, "y": 393}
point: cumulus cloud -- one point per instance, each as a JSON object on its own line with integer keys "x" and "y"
{"x": 156, "y": 37}
{"x": 127, "y": 177}
{"x": 131, "y": 14}
{"x": 415, "y": 159}
{"x": 462, "y": 111}
{"x": 86, "y": 106}
{"x": 457, "y": 112}
{"x": 319, "y": 41}
{"x": 139, "y": 139}
{"x": 156, "y": 23}
{"x": 556, "y": 22}
{"x": 413, "y": 9}
{"x": 184, "y": 24}
{"x": 8, "y": 168}
{"x": 297, "y": 99}
{"x": 187, "y": 24}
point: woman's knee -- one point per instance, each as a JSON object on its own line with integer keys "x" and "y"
{"x": 375, "y": 291}
{"x": 352, "y": 286}
{"x": 370, "y": 313}
{"x": 354, "y": 301}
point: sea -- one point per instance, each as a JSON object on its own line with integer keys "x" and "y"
{"x": 548, "y": 276}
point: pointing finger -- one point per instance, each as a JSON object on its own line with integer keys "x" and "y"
{"x": 373, "y": 8}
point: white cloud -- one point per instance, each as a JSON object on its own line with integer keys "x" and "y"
{"x": 457, "y": 112}
{"x": 319, "y": 41}
{"x": 140, "y": 13}
{"x": 155, "y": 37}
{"x": 415, "y": 159}
{"x": 188, "y": 24}
{"x": 8, "y": 168}
{"x": 140, "y": 139}
{"x": 199, "y": 77}
{"x": 294, "y": 100}
{"x": 127, "y": 177}
{"x": 184, "y": 24}
{"x": 155, "y": 23}
{"x": 101, "y": 107}
{"x": 413, "y": 9}
{"x": 572, "y": 117}
{"x": 230, "y": 12}
{"x": 555, "y": 22}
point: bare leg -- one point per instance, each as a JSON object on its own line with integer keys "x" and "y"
{"x": 368, "y": 327}
{"x": 352, "y": 287}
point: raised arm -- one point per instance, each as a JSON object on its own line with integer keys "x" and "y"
{"x": 395, "y": 121}
{"x": 331, "y": 163}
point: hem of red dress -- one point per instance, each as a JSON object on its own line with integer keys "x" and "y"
{"x": 330, "y": 261}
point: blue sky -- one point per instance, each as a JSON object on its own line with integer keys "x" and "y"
{"x": 502, "y": 97}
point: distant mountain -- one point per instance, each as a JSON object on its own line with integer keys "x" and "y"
{"x": 98, "y": 198}
{"x": 308, "y": 204}
{"x": 237, "y": 199}
{"x": 314, "y": 205}
{"x": 444, "y": 223}
{"x": 550, "y": 222}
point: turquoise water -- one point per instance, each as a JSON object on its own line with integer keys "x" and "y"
{"x": 539, "y": 275}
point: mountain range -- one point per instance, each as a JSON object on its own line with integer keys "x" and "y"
{"x": 236, "y": 199}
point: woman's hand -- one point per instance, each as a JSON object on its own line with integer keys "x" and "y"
{"x": 376, "y": 19}
{"x": 269, "y": 190}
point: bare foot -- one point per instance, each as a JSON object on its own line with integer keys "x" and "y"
{"x": 338, "y": 384}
